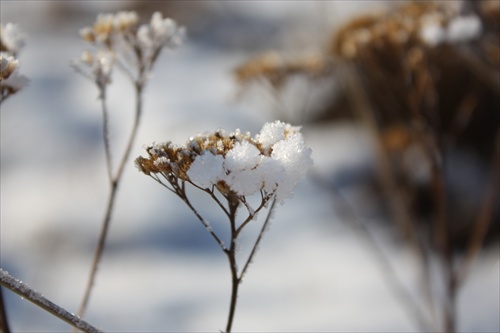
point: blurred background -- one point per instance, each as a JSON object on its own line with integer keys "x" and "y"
{"x": 319, "y": 267}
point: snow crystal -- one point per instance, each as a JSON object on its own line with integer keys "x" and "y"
{"x": 296, "y": 159}
{"x": 274, "y": 132}
{"x": 240, "y": 163}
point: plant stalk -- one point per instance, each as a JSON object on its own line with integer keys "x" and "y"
{"x": 114, "y": 180}
{"x": 9, "y": 282}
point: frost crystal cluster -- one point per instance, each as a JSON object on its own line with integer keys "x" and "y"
{"x": 119, "y": 38}
{"x": 237, "y": 164}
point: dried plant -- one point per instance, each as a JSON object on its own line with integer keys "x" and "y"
{"x": 421, "y": 77}
{"x": 232, "y": 167}
{"x": 276, "y": 72}
{"x": 120, "y": 41}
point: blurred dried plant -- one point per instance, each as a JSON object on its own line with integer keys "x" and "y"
{"x": 279, "y": 74}
{"x": 422, "y": 77}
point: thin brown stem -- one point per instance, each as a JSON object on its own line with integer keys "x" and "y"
{"x": 235, "y": 282}
{"x": 99, "y": 250}
{"x": 484, "y": 217}
{"x": 250, "y": 217}
{"x": 137, "y": 116}
{"x": 398, "y": 207}
{"x": 105, "y": 132}
{"x": 205, "y": 223}
{"x": 442, "y": 232}
{"x": 231, "y": 255}
{"x": 115, "y": 180}
{"x": 259, "y": 238}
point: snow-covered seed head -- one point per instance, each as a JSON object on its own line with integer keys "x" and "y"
{"x": 272, "y": 162}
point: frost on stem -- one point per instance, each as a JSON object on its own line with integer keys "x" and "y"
{"x": 271, "y": 163}
{"x": 119, "y": 39}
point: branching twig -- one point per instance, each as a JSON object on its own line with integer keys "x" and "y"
{"x": 114, "y": 180}
{"x": 484, "y": 216}
{"x": 259, "y": 238}
{"x": 205, "y": 223}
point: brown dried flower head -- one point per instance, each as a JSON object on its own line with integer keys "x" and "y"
{"x": 413, "y": 24}
{"x": 276, "y": 68}
{"x": 107, "y": 25}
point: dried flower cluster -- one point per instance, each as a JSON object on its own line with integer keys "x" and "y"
{"x": 277, "y": 68}
{"x": 427, "y": 76}
{"x": 11, "y": 41}
{"x": 119, "y": 39}
{"x": 272, "y": 162}
{"x": 415, "y": 24}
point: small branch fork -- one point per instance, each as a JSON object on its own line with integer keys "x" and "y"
{"x": 178, "y": 187}
{"x": 114, "y": 179}
{"x": 20, "y": 288}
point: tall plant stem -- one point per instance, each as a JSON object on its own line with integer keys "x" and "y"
{"x": 114, "y": 182}
{"x": 235, "y": 282}
{"x": 231, "y": 255}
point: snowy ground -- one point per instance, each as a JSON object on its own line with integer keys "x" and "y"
{"x": 161, "y": 271}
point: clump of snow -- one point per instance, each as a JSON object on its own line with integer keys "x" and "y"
{"x": 459, "y": 29}
{"x": 207, "y": 170}
{"x": 274, "y": 132}
{"x": 272, "y": 162}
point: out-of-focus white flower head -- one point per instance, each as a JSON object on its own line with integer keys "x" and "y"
{"x": 160, "y": 32}
{"x": 96, "y": 66}
{"x": 11, "y": 39}
{"x": 136, "y": 47}
{"x": 8, "y": 64}
{"x": 10, "y": 79}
